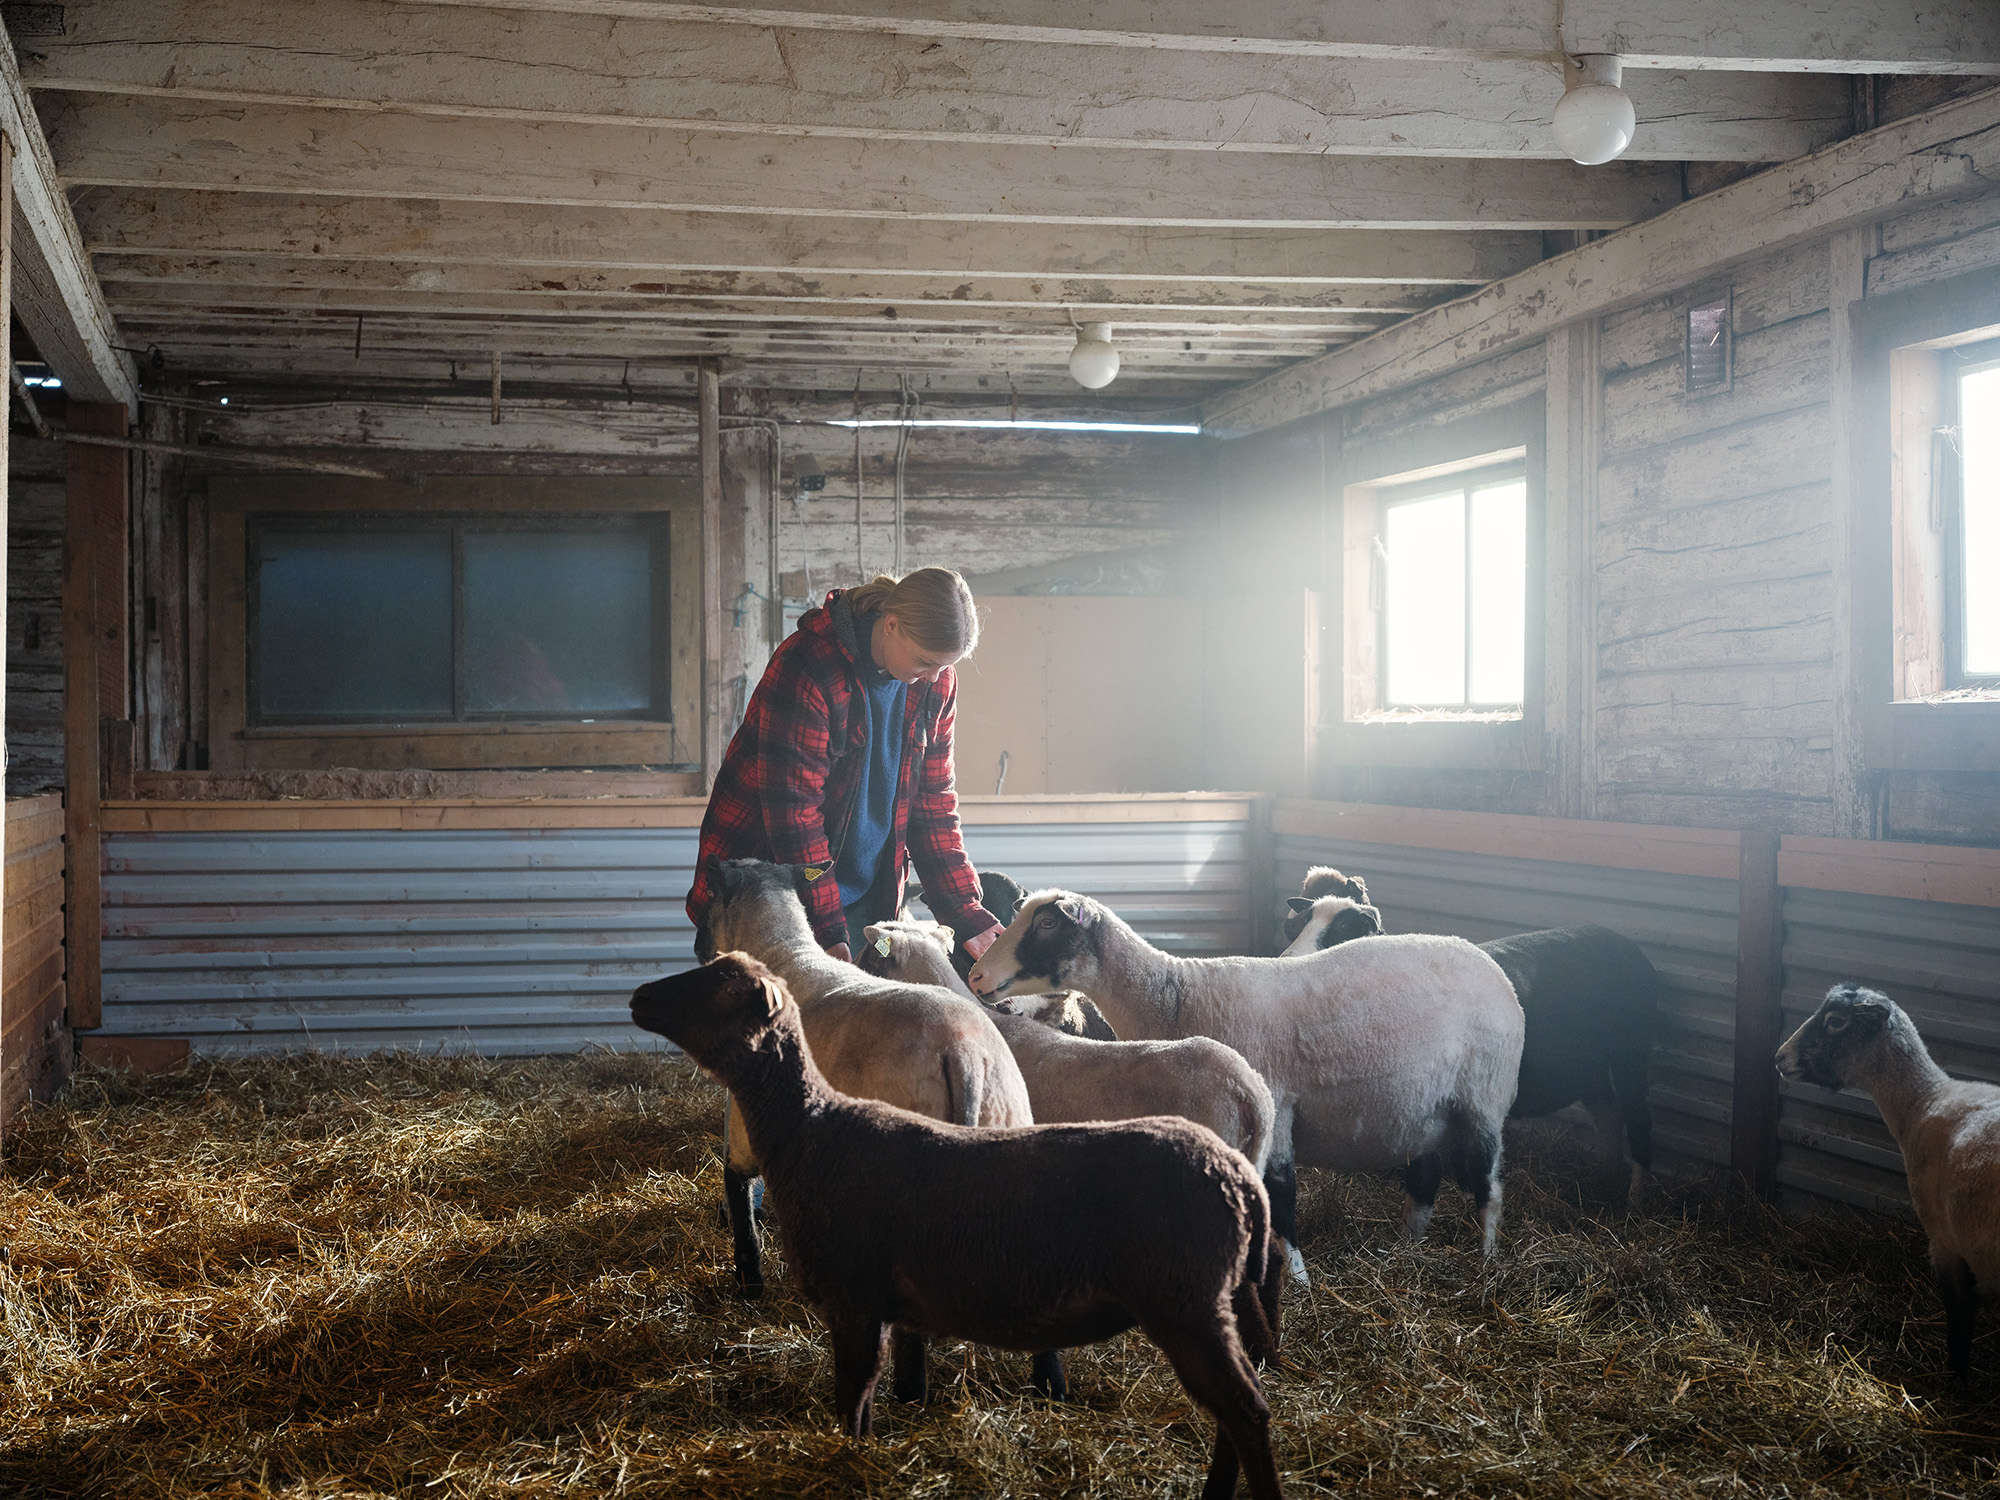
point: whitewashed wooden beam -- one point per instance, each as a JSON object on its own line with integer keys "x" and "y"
{"x": 122, "y": 141}
{"x": 1857, "y": 36}
{"x": 1949, "y": 151}
{"x": 53, "y": 289}
{"x": 260, "y": 224}
{"x": 780, "y": 289}
{"x": 360, "y": 54}
{"x": 545, "y": 307}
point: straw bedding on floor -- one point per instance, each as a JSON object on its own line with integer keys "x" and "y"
{"x": 445, "y": 1277}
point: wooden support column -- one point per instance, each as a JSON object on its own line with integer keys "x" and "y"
{"x": 94, "y": 679}
{"x": 6, "y": 357}
{"x": 709, "y": 437}
{"x": 1753, "y": 1144}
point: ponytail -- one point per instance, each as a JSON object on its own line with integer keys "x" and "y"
{"x": 933, "y": 605}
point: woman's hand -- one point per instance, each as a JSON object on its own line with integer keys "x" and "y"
{"x": 978, "y": 944}
{"x": 841, "y": 952}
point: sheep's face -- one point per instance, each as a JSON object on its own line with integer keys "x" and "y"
{"x": 1326, "y": 922}
{"x": 1823, "y": 1051}
{"x": 1048, "y": 940}
{"x": 730, "y": 999}
{"x": 912, "y": 952}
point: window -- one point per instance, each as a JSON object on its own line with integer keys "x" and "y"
{"x": 1454, "y": 592}
{"x": 1972, "y": 498}
{"x": 437, "y": 619}
{"x": 1708, "y": 345}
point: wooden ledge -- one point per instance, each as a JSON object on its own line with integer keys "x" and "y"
{"x": 1868, "y": 867}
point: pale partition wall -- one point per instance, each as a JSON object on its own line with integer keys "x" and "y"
{"x": 523, "y": 927}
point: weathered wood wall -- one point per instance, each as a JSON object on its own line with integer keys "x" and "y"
{"x": 34, "y": 615}
{"x": 35, "y": 1050}
{"x": 1711, "y": 637}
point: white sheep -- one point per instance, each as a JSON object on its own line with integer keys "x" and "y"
{"x": 1388, "y": 1053}
{"x": 1948, "y": 1130}
{"x": 1072, "y": 1080}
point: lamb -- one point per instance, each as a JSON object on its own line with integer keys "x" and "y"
{"x": 1378, "y": 1054}
{"x": 1071, "y": 1079}
{"x": 1590, "y": 998}
{"x": 1948, "y": 1130}
{"x": 1017, "y": 1238}
{"x": 920, "y": 1048}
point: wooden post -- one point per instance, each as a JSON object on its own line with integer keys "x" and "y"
{"x": 1753, "y": 1143}
{"x": 709, "y": 439}
{"x": 93, "y": 680}
{"x": 1260, "y": 865}
{"x": 7, "y": 357}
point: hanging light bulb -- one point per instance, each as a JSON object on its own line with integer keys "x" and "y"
{"x": 1594, "y": 120}
{"x": 1093, "y": 363}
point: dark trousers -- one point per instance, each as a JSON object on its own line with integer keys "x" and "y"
{"x": 879, "y": 903}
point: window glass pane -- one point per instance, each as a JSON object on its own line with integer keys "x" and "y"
{"x": 1424, "y": 606}
{"x": 1979, "y": 429}
{"x": 558, "y": 622}
{"x": 353, "y": 623}
{"x": 1499, "y": 592}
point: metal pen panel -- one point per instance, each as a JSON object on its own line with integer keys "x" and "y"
{"x": 516, "y": 940}
{"x": 1685, "y": 923}
{"x": 1941, "y": 963}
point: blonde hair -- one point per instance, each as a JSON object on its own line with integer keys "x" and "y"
{"x": 933, "y": 605}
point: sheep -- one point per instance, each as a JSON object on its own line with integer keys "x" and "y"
{"x": 918, "y": 1047}
{"x": 1591, "y": 1002}
{"x": 1337, "y": 903}
{"x": 1948, "y": 1130}
{"x": 1018, "y": 1238}
{"x": 1378, "y": 1054}
{"x": 1063, "y": 1009}
{"x": 1071, "y": 1079}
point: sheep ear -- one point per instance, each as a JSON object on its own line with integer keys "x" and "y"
{"x": 1072, "y": 907}
{"x": 1299, "y": 905}
{"x": 774, "y": 993}
{"x": 883, "y": 945}
{"x": 1357, "y": 887}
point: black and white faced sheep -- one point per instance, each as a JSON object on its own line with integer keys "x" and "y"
{"x": 1027, "y": 1238}
{"x": 1336, "y": 905}
{"x": 1948, "y": 1129}
{"x": 1590, "y": 998}
{"x": 1378, "y": 1054}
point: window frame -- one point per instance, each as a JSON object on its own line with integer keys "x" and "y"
{"x": 655, "y": 527}
{"x": 1463, "y": 482}
{"x": 1958, "y": 362}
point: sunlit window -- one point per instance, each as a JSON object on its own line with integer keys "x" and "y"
{"x": 1454, "y": 608}
{"x": 1978, "y": 580}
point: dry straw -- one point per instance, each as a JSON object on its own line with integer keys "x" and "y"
{"x": 431, "y": 1277}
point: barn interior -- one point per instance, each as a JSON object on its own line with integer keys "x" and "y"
{"x": 428, "y": 416}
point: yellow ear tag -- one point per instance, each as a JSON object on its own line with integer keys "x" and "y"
{"x": 883, "y": 945}
{"x": 813, "y": 872}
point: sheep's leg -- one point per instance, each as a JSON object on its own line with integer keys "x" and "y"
{"x": 1281, "y": 1183}
{"x": 1420, "y": 1187}
{"x": 743, "y": 1228}
{"x": 1630, "y": 1077}
{"x": 857, "y": 1365}
{"x": 912, "y": 1382}
{"x": 1960, "y": 1290}
{"x": 1475, "y": 1162}
{"x": 1049, "y": 1376}
{"x": 1216, "y": 1373}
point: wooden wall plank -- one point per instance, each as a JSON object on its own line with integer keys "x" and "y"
{"x": 34, "y": 1041}
{"x": 1880, "y": 867}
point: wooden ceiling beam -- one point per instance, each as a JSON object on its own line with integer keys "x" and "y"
{"x": 53, "y": 290}
{"x": 1949, "y": 151}
{"x": 123, "y": 141}
{"x": 1088, "y": 297}
{"x": 355, "y": 54}
{"x": 1839, "y": 36}
{"x": 148, "y": 221}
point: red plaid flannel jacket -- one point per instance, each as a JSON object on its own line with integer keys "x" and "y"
{"x": 787, "y": 784}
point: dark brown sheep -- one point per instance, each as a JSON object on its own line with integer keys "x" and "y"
{"x": 1030, "y": 1238}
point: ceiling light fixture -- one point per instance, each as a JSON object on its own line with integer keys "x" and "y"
{"x": 1093, "y": 363}
{"x": 1594, "y": 120}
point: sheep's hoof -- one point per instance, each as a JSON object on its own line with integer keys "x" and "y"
{"x": 1050, "y": 1380}
{"x": 750, "y": 1288}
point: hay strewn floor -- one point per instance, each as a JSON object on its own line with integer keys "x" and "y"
{"x": 448, "y": 1278}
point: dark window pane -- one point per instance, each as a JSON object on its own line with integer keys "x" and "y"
{"x": 1708, "y": 345}
{"x": 353, "y": 623}
{"x": 558, "y": 622}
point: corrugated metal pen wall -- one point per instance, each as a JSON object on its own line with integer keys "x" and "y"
{"x": 514, "y": 940}
{"x": 1687, "y": 925}
{"x": 1941, "y": 963}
